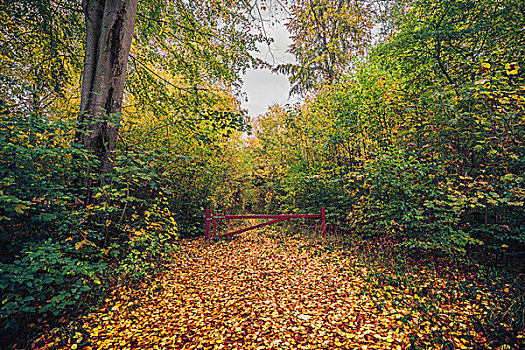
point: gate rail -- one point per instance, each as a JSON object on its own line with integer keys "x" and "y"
{"x": 212, "y": 220}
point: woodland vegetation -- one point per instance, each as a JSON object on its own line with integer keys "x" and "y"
{"x": 121, "y": 123}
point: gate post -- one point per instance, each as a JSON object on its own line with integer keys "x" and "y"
{"x": 323, "y": 221}
{"x": 207, "y": 216}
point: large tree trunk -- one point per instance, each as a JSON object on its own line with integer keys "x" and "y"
{"x": 109, "y": 30}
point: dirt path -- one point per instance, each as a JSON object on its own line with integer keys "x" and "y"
{"x": 264, "y": 292}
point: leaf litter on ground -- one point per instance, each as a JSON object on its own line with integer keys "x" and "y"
{"x": 260, "y": 291}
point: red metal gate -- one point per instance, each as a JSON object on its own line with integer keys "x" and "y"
{"x": 212, "y": 220}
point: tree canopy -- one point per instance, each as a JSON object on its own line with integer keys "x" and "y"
{"x": 327, "y": 38}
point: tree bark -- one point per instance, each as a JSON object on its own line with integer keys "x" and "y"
{"x": 109, "y": 30}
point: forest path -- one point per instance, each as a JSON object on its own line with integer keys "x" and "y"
{"x": 260, "y": 291}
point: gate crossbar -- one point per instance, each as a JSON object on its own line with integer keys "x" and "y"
{"x": 255, "y": 216}
{"x": 212, "y": 219}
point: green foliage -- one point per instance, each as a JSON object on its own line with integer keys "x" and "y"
{"x": 37, "y": 167}
{"x": 403, "y": 196}
{"x": 40, "y": 43}
{"x": 46, "y": 277}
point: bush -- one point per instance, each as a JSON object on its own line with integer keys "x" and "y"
{"x": 46, "y": 277}
{"x": 402, "y": 195}
{"x": 150, "y": 245}
{"x": 38, "y": 170}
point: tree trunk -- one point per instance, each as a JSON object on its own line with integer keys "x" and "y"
{"x": 109, "y": 30}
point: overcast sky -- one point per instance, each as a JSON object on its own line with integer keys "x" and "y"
{"x": 262, "y": 87}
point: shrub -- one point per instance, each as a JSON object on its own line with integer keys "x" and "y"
{"x": 46, "y": 277}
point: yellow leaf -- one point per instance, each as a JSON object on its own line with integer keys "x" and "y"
{"x": 20, "y": 208}
{"x": 84, "y": 242}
